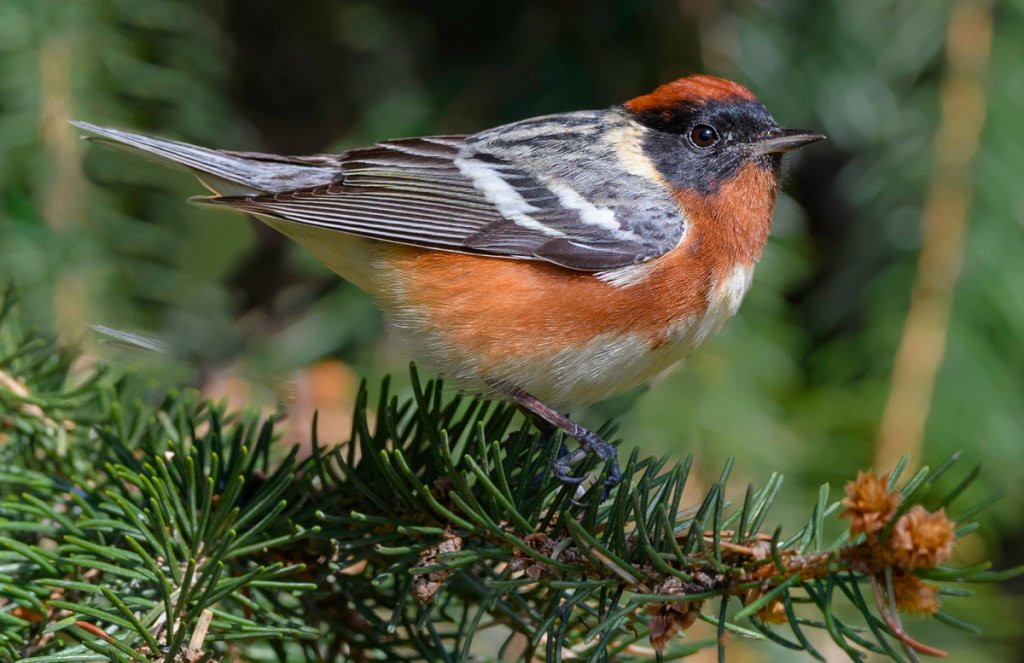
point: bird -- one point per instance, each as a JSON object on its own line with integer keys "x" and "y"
{"x": 552, "y": 262}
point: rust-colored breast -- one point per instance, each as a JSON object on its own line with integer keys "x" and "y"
{"x": 734, "y": 223}
{"x": 504, "y": 307}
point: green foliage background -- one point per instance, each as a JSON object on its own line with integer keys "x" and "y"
{"x": 796, "y": 383}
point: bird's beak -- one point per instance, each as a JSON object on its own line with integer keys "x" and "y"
{"x": 778, "y": 141}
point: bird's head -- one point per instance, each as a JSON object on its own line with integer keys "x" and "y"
{"x": 705, "y": 131}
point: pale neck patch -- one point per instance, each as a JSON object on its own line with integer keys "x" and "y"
{"x": 628, "y": 142}
{"x": 724, "y": 301}
{"x": 730, "y": 293}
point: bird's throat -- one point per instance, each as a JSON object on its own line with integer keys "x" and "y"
{"x": 731, "y": 225}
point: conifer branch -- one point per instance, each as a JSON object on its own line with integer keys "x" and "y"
{"x": 150, "y": 526}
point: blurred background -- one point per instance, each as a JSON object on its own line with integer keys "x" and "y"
{"x": 886, "y": 317}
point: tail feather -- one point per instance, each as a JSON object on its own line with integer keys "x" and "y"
{"x": 224, "y": 173}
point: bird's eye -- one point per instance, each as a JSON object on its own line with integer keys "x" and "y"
{"x": 703, "y": 136}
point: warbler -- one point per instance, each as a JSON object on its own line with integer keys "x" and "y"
{"x": 554, "y": 261}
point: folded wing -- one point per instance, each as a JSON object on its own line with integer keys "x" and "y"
{"x": 534, "y": 190}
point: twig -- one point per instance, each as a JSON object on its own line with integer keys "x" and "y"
{"x": 62, "y": 206}
{"x": 944, "y": 223}
{"x": 21, "y": 391}
{"x": 195, "y": 643}
{"x": 12, "y": 385}
{"x": 95, "y": 630}
{"x": 892, "y": 620}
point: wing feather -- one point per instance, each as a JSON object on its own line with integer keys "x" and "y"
{"x": 511, "y": 192}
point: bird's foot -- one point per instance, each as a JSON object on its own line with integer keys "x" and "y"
{"x": 561, "y": 470}
{"x": 548, "y": 419}
{"x": 591, "y": 442}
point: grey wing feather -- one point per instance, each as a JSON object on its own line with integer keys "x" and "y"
{"x": 454, "y": 193}
{"x": 223, "y": 172}
{"x": 535, "y": 201}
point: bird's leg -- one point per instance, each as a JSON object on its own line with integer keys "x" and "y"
{"x": 547, "y": 432}
{"x": 589, "y": 441}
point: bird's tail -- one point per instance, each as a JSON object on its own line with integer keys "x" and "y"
{"x": 225, "y": 173}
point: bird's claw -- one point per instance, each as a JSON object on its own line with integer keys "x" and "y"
{"x": 605, "y": 452}
{"x": 562, "y": 471}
